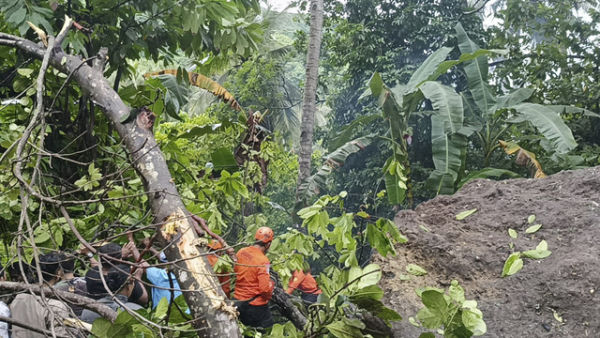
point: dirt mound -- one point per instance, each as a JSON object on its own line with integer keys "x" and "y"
{"x": 473, "y": 252}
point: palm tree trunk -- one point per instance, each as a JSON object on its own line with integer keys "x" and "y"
{"x": 310, "y": 93}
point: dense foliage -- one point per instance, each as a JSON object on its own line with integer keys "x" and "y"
{"x": 415, "y": 98}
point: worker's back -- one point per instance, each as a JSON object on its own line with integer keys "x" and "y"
{"x": 252, "y": 273}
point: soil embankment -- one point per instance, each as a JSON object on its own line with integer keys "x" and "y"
{"x": 473, "y": 252}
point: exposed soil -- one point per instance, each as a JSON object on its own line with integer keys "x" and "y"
{"x": 473, "y": 252}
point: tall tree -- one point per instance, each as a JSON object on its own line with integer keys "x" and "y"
{"x": 310, "y": 92}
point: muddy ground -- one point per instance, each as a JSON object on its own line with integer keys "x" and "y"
{"x": 473, "y": 252}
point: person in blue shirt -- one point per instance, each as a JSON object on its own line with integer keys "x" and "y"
{"x": 162, "y": 281}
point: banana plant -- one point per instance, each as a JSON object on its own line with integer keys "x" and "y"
{"x": 458, "y": 116}
{"x": 449, "y": 131}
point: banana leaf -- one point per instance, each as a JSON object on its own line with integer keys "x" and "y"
{"x": 477, "y": 72}
{"x": 524, "y": 158}
{"x": 549, "y": 123}
{"x": 203, "y": 82}
{"x": 333, "y": 161}
{"x": 447, "y": 150}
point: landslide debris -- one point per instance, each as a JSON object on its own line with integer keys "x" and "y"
{"x": 552, "y": 297}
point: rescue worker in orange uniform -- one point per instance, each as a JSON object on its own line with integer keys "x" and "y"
{"x": 303, "y": 281}
{"x": 254, "y": 287}
{"x": 223, "y": 276}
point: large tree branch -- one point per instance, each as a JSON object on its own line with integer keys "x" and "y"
{"x": 215, "y": 316}
{"x": 71, "y": 298}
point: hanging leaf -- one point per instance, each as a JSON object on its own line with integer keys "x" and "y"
{"x": 465, "y": 214}
{"x": 524, "y": 158}
{"x": 531, "y": 219}
{"x": 550, "y": 124}
{"x": 512, "y": 233}
{"x": 333, "y": 161}
{"x": 205, "y": 83}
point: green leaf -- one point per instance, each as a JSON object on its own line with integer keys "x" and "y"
{"x": 446, "y": 102}
{"x": 477, "y": 72}
{"x": 18, "y": 16}
{"x": 376, "y": 84}
{"x": 161, "y": 308}
{"x": 541, "y": 251}
{"x": 25, "y": 71}
{"x": 333, "y": 161}
{"x": 531, "y": 219}
{"x": 512, "y": 233}
{"x": 100, "y": 327}
{"x": 447, "y": 150}
{"x": 533, "y": 229}
{"x": 465, "y": 214}
{"x": 371, "y": 292}
{"x": 223, "y": 158}
{"x": 341, "y": 329}
{"x": 472, "y": 318}
{"x": 549, "y": 124}
{"x": 512, "y": 99}
{"x": 413, "y": 322}
{"x": 428, "y": 67}
{"x": 430, "y": 319}
{"x": 513, "y": 264}
{"x": 371, "y": 276}
{"x": 348, "y": 131}
{"x": 415, "y": 270}
{"x": 456, "y": 292}
{"x": 426, "y": 335}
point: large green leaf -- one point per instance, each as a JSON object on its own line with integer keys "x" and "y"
{"x": 476, "y": 70}
{"x": 427, "y": 68}
{"x": 512, "y": 99}
{"x": 344, "y": 135}
{"x": 561, "y": 109}
{"x": 333, "y": 161}
{"x": 550, "y": 124}
{"x": 446, "y": 102}
{"x": 447, "y": 155}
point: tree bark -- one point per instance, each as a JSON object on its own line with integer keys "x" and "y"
{"x": 309, "y": 99}
{"x": 214, "y": 316}
{"x": 288, "y": 309}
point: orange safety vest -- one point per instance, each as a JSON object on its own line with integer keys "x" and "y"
{"x": 225, "y": 280}
{"x": 253, "y": 279}
{"x": 303, "y": 282}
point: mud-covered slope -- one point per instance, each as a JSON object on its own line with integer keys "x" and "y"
{"x": 473, "y": 251}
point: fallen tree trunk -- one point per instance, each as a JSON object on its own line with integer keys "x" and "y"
{"x": 214, "y": 316}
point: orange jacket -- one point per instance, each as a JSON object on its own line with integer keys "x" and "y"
{"x": 303, "y": 282}
{"x": 253, "y": 279}
{"x": 225, "y": 280}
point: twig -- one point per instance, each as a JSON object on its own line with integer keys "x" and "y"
{"x": 229, "y": 250}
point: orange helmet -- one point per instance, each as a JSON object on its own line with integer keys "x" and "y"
{"x": 264, "y": 234}
{"x": 215, "y": 245}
